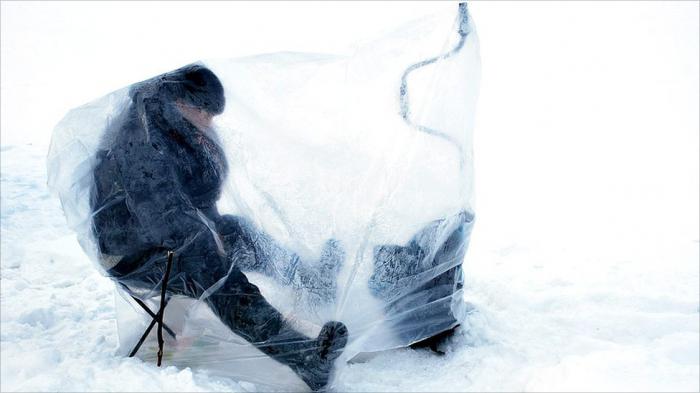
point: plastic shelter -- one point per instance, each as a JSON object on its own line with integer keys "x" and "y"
{"x": 348, "y": 177}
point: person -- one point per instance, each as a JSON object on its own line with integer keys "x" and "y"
{"x": 157, "y": 178}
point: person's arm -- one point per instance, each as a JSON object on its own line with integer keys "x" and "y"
{"x": 253, "y": 250}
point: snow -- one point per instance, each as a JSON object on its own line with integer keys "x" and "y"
{"x": 584, "y": 263}
{"x": 546, "y": 320}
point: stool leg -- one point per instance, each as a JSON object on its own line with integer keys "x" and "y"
{"x": 161, "y": 310}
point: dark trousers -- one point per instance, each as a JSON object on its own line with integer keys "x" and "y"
{"x": 416, "y": 281}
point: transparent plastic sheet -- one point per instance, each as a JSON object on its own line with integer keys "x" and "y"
{"x": 295, "y": 190}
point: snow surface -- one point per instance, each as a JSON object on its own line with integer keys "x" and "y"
{"x": 584, "y": 263}
{"x": 547, "y": 319}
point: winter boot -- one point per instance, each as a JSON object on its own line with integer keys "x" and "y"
{"x": 316, "y": 366}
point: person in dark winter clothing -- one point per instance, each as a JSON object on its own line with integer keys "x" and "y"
{"x": 156, "y": 183}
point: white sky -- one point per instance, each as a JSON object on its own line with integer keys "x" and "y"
{"x": 57, "y": 55}
{"x": 588, "y": 110}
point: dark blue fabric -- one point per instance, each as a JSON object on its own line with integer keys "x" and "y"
{"x": 154, "y": 177}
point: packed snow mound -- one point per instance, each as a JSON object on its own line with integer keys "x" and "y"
{"x": 263, "y": 197}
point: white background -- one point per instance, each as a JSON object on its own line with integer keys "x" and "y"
{"x": 584, "y": 105}
{"x": 584, "y": 259}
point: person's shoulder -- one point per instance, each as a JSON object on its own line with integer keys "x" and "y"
{"x": 134, "y": 130}
{"x": 132, "y": 140}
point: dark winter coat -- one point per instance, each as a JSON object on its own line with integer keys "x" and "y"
{"x": 158, "y": 178}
